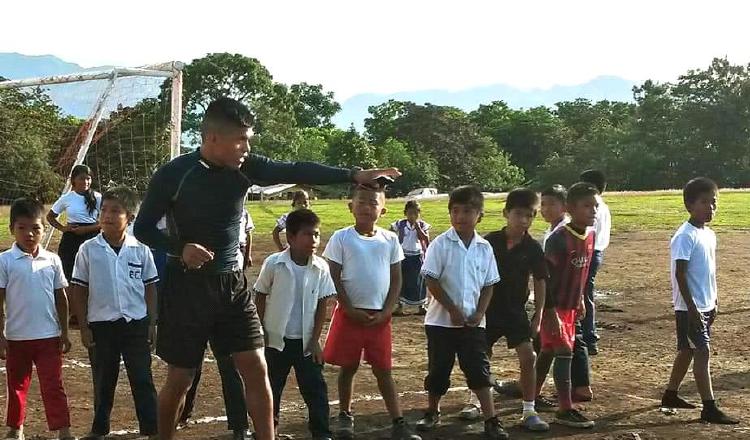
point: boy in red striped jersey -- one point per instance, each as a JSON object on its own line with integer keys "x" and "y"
{"x": 568, "y": 252}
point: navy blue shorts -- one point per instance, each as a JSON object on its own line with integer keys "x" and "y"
{"x": 689, "y": 337}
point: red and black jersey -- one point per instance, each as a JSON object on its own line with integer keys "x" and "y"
{"x": 568, "y": 256}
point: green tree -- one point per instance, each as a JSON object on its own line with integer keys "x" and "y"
{"x": 313, "y": 107}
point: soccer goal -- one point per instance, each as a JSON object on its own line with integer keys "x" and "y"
{"x": 121, "y": 122}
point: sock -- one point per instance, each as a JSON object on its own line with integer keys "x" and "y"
{"x": 561, "y": 374}
{"x": 709, "y": 404}
{"x": 528, "y": 407}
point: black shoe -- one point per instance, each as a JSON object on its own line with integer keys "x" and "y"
{"x": 429, "y": 421}
{"x": 592, "y": 348}
{"x": 715, "y": 415}
{"x": 402, "y": 431}
{"x": 573, "y": 419}
{"x": 241, "y": 434}
{"x": 672, "y": 400}
{"x": 493, "y": 430}
{"x": 544, "y": 404}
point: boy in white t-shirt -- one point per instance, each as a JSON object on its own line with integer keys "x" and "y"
{"x": 34, "y": 320}
{"x": 292, "y": 293}
{"x": 460, "y": 269}
{"x": 114, "y": 296}
{"x": 365, "y": 263}
{"x": 695, "y": 297}
{"x": 602, "y": 229}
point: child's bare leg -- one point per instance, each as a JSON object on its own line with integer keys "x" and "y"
{"x": 680, "y": 368}
{"x": 346, "y": 387}
{"x": 527, "y": 360}
{"x": 702, "y": 372}
{"x": 387, "y": 388}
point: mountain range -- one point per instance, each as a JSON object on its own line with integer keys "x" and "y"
{"x": 77, "y": 99}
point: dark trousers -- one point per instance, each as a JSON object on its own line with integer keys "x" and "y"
{"x": 589, "y": 322}
{"x": 233, "y": 390}
{"x": 312, "y": 386}
{"x": 129, "y": 341}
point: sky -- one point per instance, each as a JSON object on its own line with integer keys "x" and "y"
{"x": 386, "y": 46}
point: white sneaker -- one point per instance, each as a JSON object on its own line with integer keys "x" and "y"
{"x": 470, "y": 413}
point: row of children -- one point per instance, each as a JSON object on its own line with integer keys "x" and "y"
{"x": 114, "y": 295}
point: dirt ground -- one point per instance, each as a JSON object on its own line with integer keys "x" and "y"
{"x": 629, "y": 374}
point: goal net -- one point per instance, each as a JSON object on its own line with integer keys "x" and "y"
{"x": 122, "y": 122}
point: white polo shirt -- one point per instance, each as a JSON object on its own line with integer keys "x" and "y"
{"x": 74, "y": 205}
{"x": 462, "y": 273}
{"x": 285, "y": 296}
{"x": 602, "y": 225}
{"x": 30, "y": 283}
{"x": 366, "y": 264}
{"x": 116, "y": 282}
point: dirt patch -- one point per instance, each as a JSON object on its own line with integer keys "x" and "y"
{"x": 629, "y": 374}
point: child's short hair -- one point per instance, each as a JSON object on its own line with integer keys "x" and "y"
{"x": 27, "y": 208}
{"x": 522, "y": 198}
{"x": 412, "y": 204}
{"x": 595, "y": 177}
{"x": 581, "y": 190}
{"x": 300, "y": 194}
{"x": 467, "y": 195}
{"x": 367, "y": 188}
{"x": 557, "y": 191}
{"x": 296, "y": 220}
{"x": 123, "y": 195}
{"x": 695, "y": 187}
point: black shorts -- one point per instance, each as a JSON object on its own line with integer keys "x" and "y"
{"x": 515, "y": 327}
{"x": 689, "y": 337}
{"x": 443, "y": 345}
{"x": 198, "y": 307}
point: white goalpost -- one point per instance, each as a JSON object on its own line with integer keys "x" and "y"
{"x": 122, "y": 122}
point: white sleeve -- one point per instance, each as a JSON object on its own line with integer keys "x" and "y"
{"x": 682, "y": 247}
{"x": 149, "y": 274}
{"x": 326, "y": 288}
{"x": 493, "y": 276}
{"x": 433, "y": 260}
{"x": 60, "y": 205}
{"x": 281, "y": 222}
{"x": 265, "y": 278}
{"x": 81, "y": 267}
{"x": 334, "y": 250}
{"x": 60, "y": 281}
{"x": 3, "y": 274}
{"x": 397, "y": 252}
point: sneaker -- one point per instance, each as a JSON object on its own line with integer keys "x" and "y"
{"x": 572, "y": 418}
{"x": 493, "y": 430}
{"x": 675, "y": 401}
{"x": 92, "y": 436}
{"x": 532, "y": 422}
{"x": 544, "y": 404}
{"x": 421, "y": 311}
{"x": 345, "y": 425}
{"x": 592, "y": 348}
{"x": 470, "y": 412}
{"x": 240, "y": 434}
{"x": 715, "y": 415}
{"x": 510, "y": 388}
{"x": 402, "y": 431}
{"x": 429, "y": 421}
{"x": 15, "y": 435}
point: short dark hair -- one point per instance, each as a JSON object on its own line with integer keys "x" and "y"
{"x": 580, "y": 191}
{"x": 595, "y": 177}
{"x": 695, "y": 187}
{"x": 27, "y": 208}
{"x": 412, "y": 204}
{"x": 300, "y": 218}
{"x": 299, "y": 194}
{"x": 368, "y": 188}
{"x": 557, "y": 191}
{"x": 466, "y": 195}
{"x": 522, "y": 198}
{"x": 123, "y": 195}
{"x": 226, "y": 112}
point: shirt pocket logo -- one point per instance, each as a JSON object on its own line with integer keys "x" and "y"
{"x": 134, "y": 270}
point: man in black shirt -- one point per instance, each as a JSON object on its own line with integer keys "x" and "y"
{"x": 205, "y": 296}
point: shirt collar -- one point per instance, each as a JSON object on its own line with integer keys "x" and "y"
{"x": 286, "y": 258}
{"x": 130, "y": 241}
{"x": 453, "y": 235}
{"x": 576, "y": 234}
{"x": 17, "y": 253}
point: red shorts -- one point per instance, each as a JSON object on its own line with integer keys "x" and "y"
{"x": 567, "y": 338}
{"x": 347, "y": 340}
